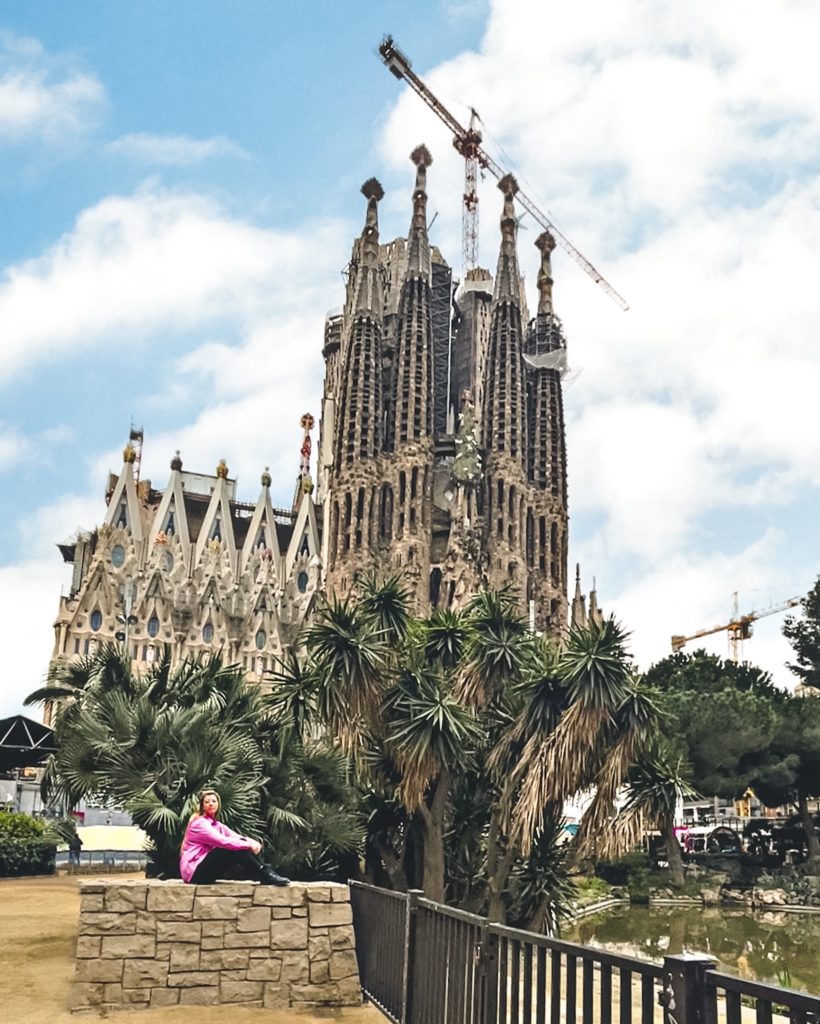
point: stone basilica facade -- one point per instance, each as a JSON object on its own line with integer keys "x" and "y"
{"x": 441, "y": 457}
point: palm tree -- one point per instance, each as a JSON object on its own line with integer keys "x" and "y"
{"x": 658, "y": 780}
{"x": 151, "y": 742}
{"x": 594, "y": 740}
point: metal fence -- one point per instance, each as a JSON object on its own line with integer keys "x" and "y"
{"x": 424, "y": 963}
{"x": 101, "y": 861}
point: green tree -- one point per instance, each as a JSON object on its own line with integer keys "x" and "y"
{"x": 721, "y": 715}
{"x": 803, "y": 634}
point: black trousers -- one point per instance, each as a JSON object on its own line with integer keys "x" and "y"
{"x": 238, "y": 865}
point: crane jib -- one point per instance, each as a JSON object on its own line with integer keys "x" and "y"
{"x": 467, "y": 142}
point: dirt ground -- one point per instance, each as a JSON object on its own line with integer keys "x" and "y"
{"x": 38, "y": 926}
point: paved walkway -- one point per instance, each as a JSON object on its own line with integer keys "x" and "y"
{"x": 38, "y": 923}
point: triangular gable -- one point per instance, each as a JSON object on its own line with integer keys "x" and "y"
{"x": 262, "y": 528}
{"x": 124, "y": 508}
{"x": 305, "y": 533}
{"x": 211, "y": 591}
{"x": 98, "y": 581}
{"x": 172, "y": 511}
{"x": 156, "y": 587}
{"x": 217, "y": 522}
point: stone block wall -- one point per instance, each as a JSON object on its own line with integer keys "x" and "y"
{"x": 151, "y": 943}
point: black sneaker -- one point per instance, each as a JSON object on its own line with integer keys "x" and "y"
{"x": 270, "y": 877}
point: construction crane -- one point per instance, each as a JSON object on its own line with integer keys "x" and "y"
{"x": 739, "y": 627}
{"x": 467, "y": 142}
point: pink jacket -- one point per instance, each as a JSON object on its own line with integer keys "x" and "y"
{"x": 203, "y": 835}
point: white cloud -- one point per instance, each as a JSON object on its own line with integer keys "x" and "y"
{"x": 174, "y": 150}
{"x": 41, "y": 97}
{"x": 133, "y": 265}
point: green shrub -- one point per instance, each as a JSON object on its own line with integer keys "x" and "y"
{"x": 24, "y": 847}
{"x": 632, "y": 872}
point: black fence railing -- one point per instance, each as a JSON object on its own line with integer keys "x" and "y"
{"x": 424, "y": 963}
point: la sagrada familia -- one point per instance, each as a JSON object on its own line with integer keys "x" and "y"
{"x": 441, "y": 458}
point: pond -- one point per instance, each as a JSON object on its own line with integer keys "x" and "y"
{"x": 772, "y": 946}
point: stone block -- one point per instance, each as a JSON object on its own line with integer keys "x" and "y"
{"x": 204, "y": 995}
{"x": 128, "y": 946}
{"x": 343, "y": 964}
{"x": 319, "y": 972}
{"x": 92, "y": 886}
{"x": 318, "y": 946}
{"x": 299, "y": 912}
{"x": 227, "y": 889}
{"x": 136, "y": 995}
{"x": 165, "y": 996}
{"x": 190, "y": 979}
{"x": 282, "y": 913}
{"x": 144, "y": 973}
{"x": 290, "y": 934}
{"x": 217, "y": 942}
{"x": 119, "y": 899}
{"x": 341, "y": 938}
{"x": 240, "y": 991}
{"x": 179, "y": 931}
{"x": 269, "y": 969}
{"x": 184, "y": 956}
{"x": 85, "y": 994}
{"x": 340, "y": 893}
{"x": 215, "y": 908}
{"x": 246, "y": 940}
{"x": 91, "y": 903}
{"x": 99, "y": 970}
{"x": 276, "y": 997}
{"x": 254, "y": 919}
{"x": 330, "y": 914}
{"x": 211, "y": 928}
{"x": 317, "y": 893}
{"x": 177, "y": 897}
{"x": 350, "y": 991}
{"x": 274, "y": 896}
{"x": 112, "y": 993}
{"x": 88, "y": 946}
{"x": 294, "y": 968}
{"x": 108, "y": 924}
{"x": 316, "y": 995}
{"x": 224, "y": 960}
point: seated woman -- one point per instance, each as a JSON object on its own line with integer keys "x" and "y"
{"x": 210, "y": 850}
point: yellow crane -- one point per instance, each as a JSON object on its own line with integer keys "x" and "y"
{"x": 739, "y": 626}
{"x": 467, "y": 142}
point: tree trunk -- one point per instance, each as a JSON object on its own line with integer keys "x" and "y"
{"x": 498, "y": 870}
{"x": 433, "y": 820}
{"x": 673, "y": 852}
{"x": 812, "y": 839}
{"x": 394, "y": 866}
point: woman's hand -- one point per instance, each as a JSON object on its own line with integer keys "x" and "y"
{"x": 256, "y": 848}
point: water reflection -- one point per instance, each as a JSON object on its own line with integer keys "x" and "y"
{"x": 770, "y": 946}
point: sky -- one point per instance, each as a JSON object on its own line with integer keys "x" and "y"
{"x": 179, "y": 194}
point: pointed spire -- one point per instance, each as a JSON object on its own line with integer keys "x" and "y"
{"x": 507, "y": 282}
{"x": 368, "y": 290}
{"x": 546, "y": 243}
{"x": 418, "y": 261}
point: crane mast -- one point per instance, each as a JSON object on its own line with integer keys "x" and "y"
{"x": 467, "y": 142}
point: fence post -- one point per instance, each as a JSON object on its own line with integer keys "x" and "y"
{"x": 684, "y": 988}
{"x": 410, "y": 954}
{"x": 489, "y": 971}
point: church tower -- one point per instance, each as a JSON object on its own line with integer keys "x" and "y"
{"x": 449, "y": 466}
